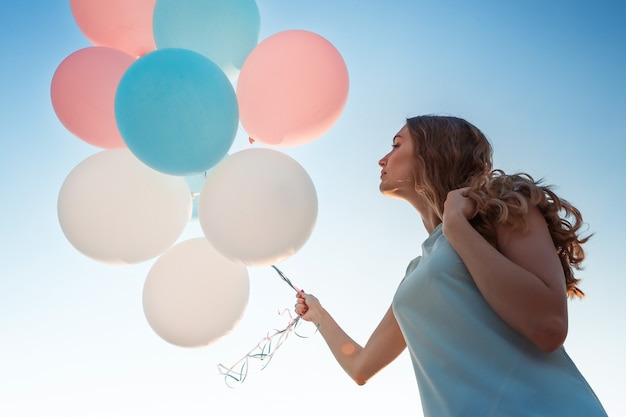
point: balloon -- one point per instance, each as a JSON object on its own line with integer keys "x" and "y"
{"x": 176, "y": 111}
{"x": 121, "y": 24}
{"x": 292, "y": 88}
{"x": 225, "y": 31}
{"x": 193, "y": 296}
{"x": 83, "y": 93}
{"x": 257, "y": 207}
{"x": 116, "y": 210}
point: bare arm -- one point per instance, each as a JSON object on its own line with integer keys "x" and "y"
{"x": 523, "y": 281}
{"x": 360, "y": 363}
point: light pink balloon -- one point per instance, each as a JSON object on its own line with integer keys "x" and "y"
{"x": 83, "y": 94}
{"x": 292, "y": 88}
{"x": 121, "y": 24}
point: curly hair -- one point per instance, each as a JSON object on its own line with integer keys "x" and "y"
{"x": 452, "y": 153}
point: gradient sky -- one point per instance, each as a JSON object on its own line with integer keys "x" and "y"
{"x": 546, "y": 83}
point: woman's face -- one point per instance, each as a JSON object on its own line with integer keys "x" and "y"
{"x": 397, "y": 178}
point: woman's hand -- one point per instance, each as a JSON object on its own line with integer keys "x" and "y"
{"x": 308, "y": 307}
{"x": 459, "y": 204}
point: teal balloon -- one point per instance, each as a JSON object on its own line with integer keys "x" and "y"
{"x": 176, "y": 111}
{"x": 225, "y": 31}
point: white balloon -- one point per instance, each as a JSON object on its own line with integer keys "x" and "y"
{"x": 257, "y": 207}
{"x": 117, "y": 210}
{"x": 193, "y": 296}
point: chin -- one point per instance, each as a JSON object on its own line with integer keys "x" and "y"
{"x": 389, "y": 192}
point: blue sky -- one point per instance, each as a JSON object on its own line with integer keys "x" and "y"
{"x": 546, "y": 84}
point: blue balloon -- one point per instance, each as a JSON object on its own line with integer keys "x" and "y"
{"x": 225, "y": 31}
{"x": 176, "y": 111}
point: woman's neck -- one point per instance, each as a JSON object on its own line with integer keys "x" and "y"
{"x": 430, "y": 219}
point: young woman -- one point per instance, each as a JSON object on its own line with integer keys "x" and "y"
{"x": 483, "y": 310}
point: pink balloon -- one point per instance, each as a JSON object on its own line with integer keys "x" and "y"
{"x": 292, "y": 88}
{"x": 121, "y": 24}
{"x": 83, "y": 94}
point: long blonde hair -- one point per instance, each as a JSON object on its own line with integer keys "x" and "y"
{"x": 452, "y": 153}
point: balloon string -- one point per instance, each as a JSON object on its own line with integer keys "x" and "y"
{"x": 264, "y": 350}
{"x": 284, "y": 278}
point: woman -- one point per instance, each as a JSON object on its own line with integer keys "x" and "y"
{"x": 483, "y": 310}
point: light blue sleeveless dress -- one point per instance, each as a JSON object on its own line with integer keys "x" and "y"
{"x": 468, "y": 362}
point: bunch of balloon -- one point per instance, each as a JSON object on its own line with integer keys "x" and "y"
{"x": 155, "y": 93}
